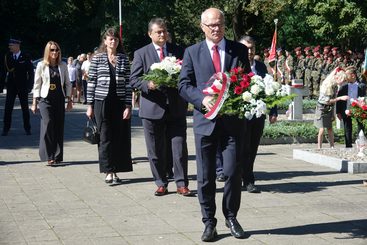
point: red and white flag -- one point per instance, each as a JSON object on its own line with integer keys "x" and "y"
{"x": 273, "y": 49}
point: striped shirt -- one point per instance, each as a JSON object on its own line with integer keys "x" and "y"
{"x": 99, "y": 78}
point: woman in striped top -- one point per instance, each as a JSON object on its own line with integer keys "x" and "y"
{"x": 109, "y": 101}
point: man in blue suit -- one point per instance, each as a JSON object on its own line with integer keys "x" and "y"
{"x": 200, "y": 62}
{"x": 162, "y": 110}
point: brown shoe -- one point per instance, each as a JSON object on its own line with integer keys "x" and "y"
{"x": 161, "y": 191}
{"x": 183, "y": 191}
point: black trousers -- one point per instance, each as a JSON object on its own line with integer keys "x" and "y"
{"x": 11, "y": 94}
{"x": 255, "y": 128}
{"x": 348, "y": 130}
{"x": 231, "y": 146}
{"x": 52, "y": 129}
{"x": 114, "y": 148}
{"x": 157, "y": 133}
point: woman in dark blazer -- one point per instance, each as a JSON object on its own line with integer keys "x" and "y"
{"x": 51, "y": 86}
{"x": 109, "y": 100}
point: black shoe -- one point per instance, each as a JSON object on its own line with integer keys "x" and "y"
{"x": 4, "y": 133}
{"x": 221, "y": 177}
{"x": 251, "y": 188}
{"x": 209, "y": 234}
{"x": 235, "y": 227}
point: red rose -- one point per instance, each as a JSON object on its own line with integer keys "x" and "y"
{"x": 238, "y": 90}
{"x": 234, "y": 71}
{"x": 234, "y": 78}
{"x": 244, "y": 84}
{"x": 364, "y": 107}
{"x": 354, "y": 103}
{"x": 246, "y": 78}
{"x": 240, "y": 70}
{"x": 251, "y": 74}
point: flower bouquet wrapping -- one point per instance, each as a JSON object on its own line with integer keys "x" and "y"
{"x": 244, "y": 95}
{"x": 358, "y": 110}
{"x": 164, "y": 73}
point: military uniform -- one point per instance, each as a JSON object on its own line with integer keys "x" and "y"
{"x": 299, "y": 64}
{"x": 316, "y": 68}
{"x": 280, "y": 67}
{"x": 289, "y": 68}
{"x": 308, "y": 64}
{"x": 19, "y": 82}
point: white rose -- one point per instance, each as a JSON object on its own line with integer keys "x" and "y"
{"x": 255, "y": 89}
{"x": 248, "y": 115}
{"x": 247, "y": 96}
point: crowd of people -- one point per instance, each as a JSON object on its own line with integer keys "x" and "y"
{"x": 312, "y": 65}
{"x": 226, "y": 146}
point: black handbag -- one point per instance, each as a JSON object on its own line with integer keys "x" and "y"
{"x": 91, "y": 134}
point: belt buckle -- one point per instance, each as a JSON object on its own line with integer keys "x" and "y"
{"x": 52, "y": 86}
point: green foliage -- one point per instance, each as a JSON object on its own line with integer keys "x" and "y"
{"x": 290, "y": 129}
{"x": 307, "y": 104}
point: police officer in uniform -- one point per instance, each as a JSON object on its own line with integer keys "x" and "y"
{"x": 19, "y": 77}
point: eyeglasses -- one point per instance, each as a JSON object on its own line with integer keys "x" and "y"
{"x": 54, "y": 50}
{"x": 213, "y": 26}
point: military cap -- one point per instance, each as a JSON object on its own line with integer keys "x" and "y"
{"x": 266, "y": 50}
{"x": 335, "y": 48}
{"x": 316, "y": 49}
{"x": 307, "y": 49}
{"x": 297, "y": 49}
{"x": 327, "y": 47}
{"x": 279, "y": 49}
{"x": 14, "y": 41}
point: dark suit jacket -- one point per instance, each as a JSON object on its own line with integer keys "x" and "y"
{"x": 153, "y": 103}
{"x": 196, "y": 70}
{"x": 20, "y": 73}
{"x": 341, "y": 105}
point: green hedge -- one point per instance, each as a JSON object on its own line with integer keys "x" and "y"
{"x": 290, "y": 129}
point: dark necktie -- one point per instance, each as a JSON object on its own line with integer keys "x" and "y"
{"x": 216, "y": 58}
{"x": 15, "y": 57}
{"x": 161, "y": 54}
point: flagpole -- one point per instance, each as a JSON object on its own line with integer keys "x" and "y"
{"x": 120, "y": 19}
{"x": 276, "y": 58}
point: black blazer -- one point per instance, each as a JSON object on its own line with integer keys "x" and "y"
{"x": 20, "y": 73}
{"x": 196, "y": 70}
{"x": 154, "y": 103}
{"x": 341, "y": 105}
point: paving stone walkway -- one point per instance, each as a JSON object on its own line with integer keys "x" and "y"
{"x": 300, "y": 203}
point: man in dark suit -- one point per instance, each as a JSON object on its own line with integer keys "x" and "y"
{"x": 162, "y": 110}
{"x": 255, "y": 126}
{"x": 201, "y": 61}
{"x": 19, "y": 78}
{"x": 353, "y": 89}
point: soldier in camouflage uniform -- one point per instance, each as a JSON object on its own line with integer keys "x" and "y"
{"x": 280, "y": 66}
{"x": 307, "y": 66}
{"x": 336, "y": 56}
{"x": 327, "y": 67}
{"x": 289, "y": 67}
{"x": 299, "y": 67}
{"x": 316, "y": 67}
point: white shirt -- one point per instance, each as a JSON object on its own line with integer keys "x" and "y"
{"x": 158, "y": 50}
{"x": 221, "y": 49}
{"x": 352, "y": 92}
{"x": 72, "y": 73}
{"x": 16, "y": 55}
{"x": 85, "y": 69}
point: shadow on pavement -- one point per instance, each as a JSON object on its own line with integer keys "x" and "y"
{"x": 353, "y": 228}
